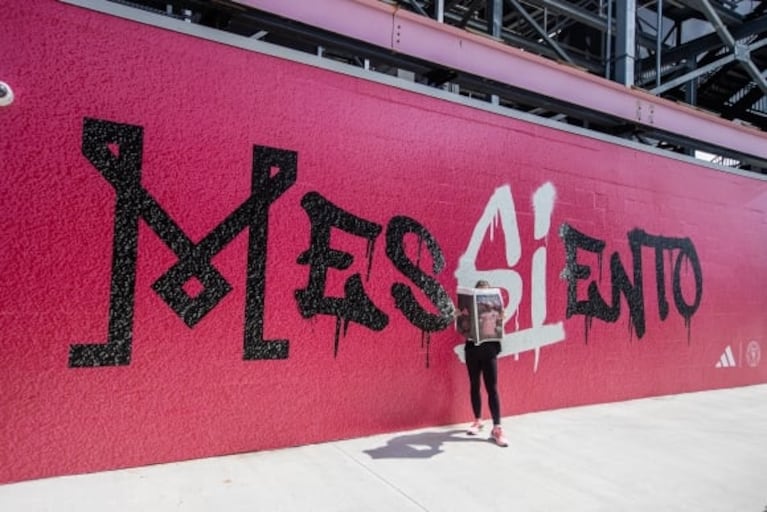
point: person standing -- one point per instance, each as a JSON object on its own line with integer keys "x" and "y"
{"x": 482, "y": 362}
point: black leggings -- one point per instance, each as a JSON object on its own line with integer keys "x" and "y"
{"x": 483, "y": 359}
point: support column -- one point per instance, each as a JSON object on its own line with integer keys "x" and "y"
{"x": 494, "y": 17}
{"x": 625, "y": 41}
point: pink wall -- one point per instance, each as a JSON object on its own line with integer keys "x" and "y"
{"x": 134, "y": 157}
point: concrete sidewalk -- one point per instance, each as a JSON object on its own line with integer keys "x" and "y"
{"x": 695, "y": 452}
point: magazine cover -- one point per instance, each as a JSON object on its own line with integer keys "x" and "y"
{"x": 480, "y": 314}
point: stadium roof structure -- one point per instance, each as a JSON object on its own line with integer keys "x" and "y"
{"x": 681, "y": 75}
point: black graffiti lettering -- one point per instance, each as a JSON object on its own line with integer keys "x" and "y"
{"x": 123, "y": 172}
{"x": 687, "y": 254}
{"x": 355, "y": 306}
{"x": 596, "y": 307}
{"x": 115, "y": 151}
{"x": 623, "y": 286}
{"x": 660, "y": 281}
{"x": 404, "y": 298}
{"x": 265, "y": 189}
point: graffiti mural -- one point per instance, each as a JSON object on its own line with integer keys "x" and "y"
{"x": 631, "y": 289}
{"x": 356, "y": 306}
{"x": 123, "y": 171}
{"x": 269, "y": 258}
{"x": 115, "y": 150}
{"x": 500, "y": 212}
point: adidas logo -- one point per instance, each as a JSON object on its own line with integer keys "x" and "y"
{"x": 727, "y": 360}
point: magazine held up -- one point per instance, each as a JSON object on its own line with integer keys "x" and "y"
{"x": 480, "y": 314}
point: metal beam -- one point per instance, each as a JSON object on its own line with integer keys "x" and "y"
{"x": 705, "y": 43}
{"x": 439, "y": 11}
{"x": 741, "y": 52}
{"x": 691, "y": 89}
{"x": 755, "y": 73}
{"x": 667, "y": 86}
{"x": 415, "y": 5}
{"x": 470, "y": 10}
{"x": 541, "y": 32}
{"x": 658, "y": 45}
{"x": 572, "y": 11}
{"x": 510, "y": 38}
{"x": 743, "y": 104}
{"x": 625, "y": 42}
{"x": 584, "y": 17}
{"x": 716, "y": 21}
{"x": 420, "y": 37}
{"x": 732, "y": 17}
{"x": 494, "y": 15}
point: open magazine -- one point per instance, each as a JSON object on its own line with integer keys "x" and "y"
{"x": 480, "y": 314}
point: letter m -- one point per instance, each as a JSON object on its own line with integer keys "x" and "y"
{"x": 115, "y": 150}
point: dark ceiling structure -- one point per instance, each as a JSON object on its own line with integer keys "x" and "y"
{"x": 709, "y": 54}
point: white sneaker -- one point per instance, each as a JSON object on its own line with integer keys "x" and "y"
{"x": 474, "y": 428}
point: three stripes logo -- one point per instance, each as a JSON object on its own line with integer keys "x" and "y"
{"x": 727, "y": 360}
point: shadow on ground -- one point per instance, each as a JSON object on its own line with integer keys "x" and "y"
{"x": 421, "y": 446}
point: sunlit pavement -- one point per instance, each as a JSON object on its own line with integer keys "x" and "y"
{"x": 695, "y": 452}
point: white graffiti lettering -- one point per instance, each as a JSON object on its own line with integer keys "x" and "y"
{"x": 500, "y": 209}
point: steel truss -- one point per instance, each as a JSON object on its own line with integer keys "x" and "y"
{"x": 632, "y": 54}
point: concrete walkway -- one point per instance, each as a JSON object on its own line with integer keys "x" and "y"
{"x": 695, "y": 452}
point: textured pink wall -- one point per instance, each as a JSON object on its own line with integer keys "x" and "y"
{"x": 85, "y": 83}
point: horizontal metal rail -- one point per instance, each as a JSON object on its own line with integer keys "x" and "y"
{"x": 410, "y": 34}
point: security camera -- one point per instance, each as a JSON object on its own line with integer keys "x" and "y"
{"x": 6, "y": 94}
